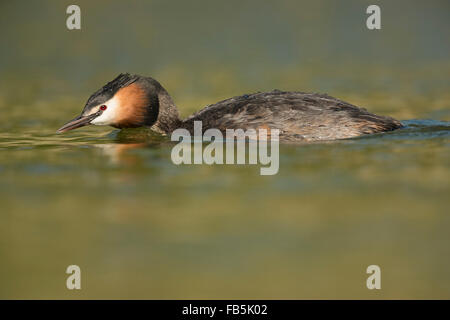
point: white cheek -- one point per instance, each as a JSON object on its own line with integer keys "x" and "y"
{"x": 109, "y": 115}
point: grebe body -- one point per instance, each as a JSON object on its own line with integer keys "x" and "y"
{"x": 131, "y": 101}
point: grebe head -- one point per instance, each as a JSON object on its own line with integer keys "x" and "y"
{"x": 128, "y": 101}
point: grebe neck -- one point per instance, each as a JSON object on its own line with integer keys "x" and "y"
{"x": 168, "y": 117}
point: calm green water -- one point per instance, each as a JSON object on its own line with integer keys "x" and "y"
{"x": 113, "y": 203}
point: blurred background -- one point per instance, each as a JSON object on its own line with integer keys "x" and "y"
{"x": 140, "y": 227}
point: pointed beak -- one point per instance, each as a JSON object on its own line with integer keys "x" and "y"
{"x": 78, "y": 122}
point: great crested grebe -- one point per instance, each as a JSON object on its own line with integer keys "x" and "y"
{"x": 131, "y": 101}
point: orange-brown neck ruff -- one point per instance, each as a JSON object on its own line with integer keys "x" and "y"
{"x": 134, "y": 107}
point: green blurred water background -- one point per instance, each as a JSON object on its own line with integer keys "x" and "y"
{"x": 140, "y": 227}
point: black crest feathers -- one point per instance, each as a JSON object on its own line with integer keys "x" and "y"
{"x": 109, "y": 90}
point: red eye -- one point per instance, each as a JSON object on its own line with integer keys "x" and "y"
{"x": 103, "y": 107}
